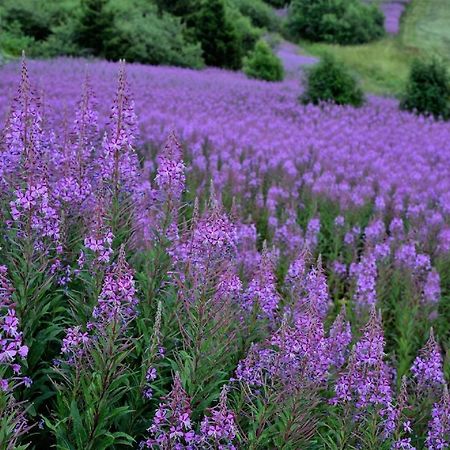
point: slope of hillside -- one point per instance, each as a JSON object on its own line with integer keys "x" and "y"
{"x": 427, "y": 27}
{"x": 383, "y": 66}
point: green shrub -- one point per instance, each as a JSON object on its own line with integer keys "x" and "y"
{"x": 95, "y": 26}
{"x": 260, "y": 14}
{"x": 278, "y": 3}
{"x": 428, "y": 90}
{"x": 143, "y": 35}
{"x": 329, "y": 81}
{"x": 263, "y": 64}
{"x": 335, "y": 21}
{"x": 217, "y": 36}
{"x": 246, "y": 32}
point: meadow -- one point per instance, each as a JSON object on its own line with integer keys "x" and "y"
{"x": 421, "y": 31}
{"x": 195, "y": 260}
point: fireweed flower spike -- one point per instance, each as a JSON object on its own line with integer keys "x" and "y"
{"x": 170, "y": 176}
{"x": 12, "y": 349}
{"x": 316, "y": 290}
{"x": 75, "y": 184}
{"x": 99, "y": 238}
{"x": 396, "y": 426}
{"x": 172, "y": 427}
{"x": 438, "y": 437}
{"x": 118, "y": 161}
{"x": 218, "y": 429}
{"x": 338, "y": 340}
{"x": 262, "y": 289}
{"x": 366, "y": 380}
{"x": 366, "y": 279}
{"x": 117, "y": 301}
{"x": 427, "y": 368}
{"x": 23, "y": 133}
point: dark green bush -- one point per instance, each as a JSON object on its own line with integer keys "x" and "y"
{"x": 335, "y": 21}
{"x": 428, "y": 90}
{"x": 217, "y": 36}
{"x": 260, "y": 14}
{"x": 278, "y": 3}
{"x": 329, "y": 81}
{"x": 263, "y": 64}
{"x": 95, "y": 26}
{"x": 142, "y": 35}
{"x": 246, "y": 32}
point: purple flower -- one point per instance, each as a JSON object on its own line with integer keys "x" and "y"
{"x": 427, "y": 368}
{"x": 74, "y": 343}
{"x": 219, "y": 429}
{"x": 438, "y": 437}
{"x": 171, "y": 426}
{"x": 366, "y": 280}
{"x": 338, "y": 341}
{"x": 262, "y": 290}
{"x": 117, "y": 301}
{"x": 432, "y": 287}
{"x": 170, "y": 176}
{"x": 367, "y": 378}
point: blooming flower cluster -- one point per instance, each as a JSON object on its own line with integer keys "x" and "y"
{"x": 12, "y": 348}
{"x": 367, "y": 378}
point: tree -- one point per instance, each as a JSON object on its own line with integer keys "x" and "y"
{"x": 428, "y": 90}
{"x": 329, "y": 81}
{"x": 263, "y": 64}
{"x": 217, "y": 36}
{"x": 95, "y": 25}
{"x": 337, "y": 21}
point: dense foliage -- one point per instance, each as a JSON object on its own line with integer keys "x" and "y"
{"x": 330, "y": 81}
{"x": 217, "y": 35}
{"x": 300, "y": 299}
{"x": 428, "y": 89}
{"x": 177, "y": 33}
{"x": 336, "y": 21}
{"x": 263, "y": 64}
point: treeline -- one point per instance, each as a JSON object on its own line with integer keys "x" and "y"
{"x": 190, "y": 33}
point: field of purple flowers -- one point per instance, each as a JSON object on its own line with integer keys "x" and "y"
{"x": 194, "y": 260}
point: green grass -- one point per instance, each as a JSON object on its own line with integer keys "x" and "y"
{"x": 427, "y": 26}
{"x": 383, "y": 66}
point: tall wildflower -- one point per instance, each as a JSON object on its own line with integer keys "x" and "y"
{"x": 296, "y": 355}
{"x": 118, "y": 161}
{"x": 219, "y": 429}
{"x": 33, "y": 209}
{"x": 117, "y": 301}
{"x": 396, "y": 425}
{"x": 170, "y": 176}
{"x": 338, "y": 340}
{"x": 262, "y": 290}
{"x": 312, "y": 234}
{"x": 23, "y": 139}
{"x": 366, "y": 280}
{"x": 211, "y": 240}
{"x": 159, "y": 216}
{"x": 432, "y": 287}
{"x": 172, "y": 427}
{"x": 99, "y": 238}
{"x": 427, "y": 368}
{"x": 12, "y": 349}
{"x": 296, "y": 275}
{"x": 366, "y": 380}
{"x": 438, "y": 436}
{"x": 75, "y": 184}
{"x": 316, "y": 289}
